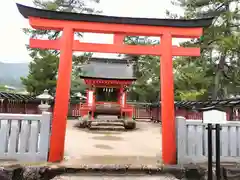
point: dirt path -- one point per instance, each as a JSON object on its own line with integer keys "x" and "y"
{"x": 140, "y": 146}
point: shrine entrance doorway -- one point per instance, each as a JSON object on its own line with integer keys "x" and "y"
{"x": 69, "y": 23}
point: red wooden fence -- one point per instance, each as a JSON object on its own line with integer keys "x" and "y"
{"x": 140, "y": 111}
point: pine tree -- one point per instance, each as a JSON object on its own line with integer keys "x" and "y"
{"x": 34, "y": 82}
{"x": 42, "y": 73}
{"x": 220, "y": 43}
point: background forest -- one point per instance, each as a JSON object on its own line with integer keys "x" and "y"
{"x": 214, "y": 75}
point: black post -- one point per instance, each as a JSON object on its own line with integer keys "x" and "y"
{"x": 210, "y": 173}
{"x": 218, "y": 168}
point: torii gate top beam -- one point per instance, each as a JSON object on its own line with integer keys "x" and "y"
{"x": 179, "y": 28}
{"x": 119, "y": 26}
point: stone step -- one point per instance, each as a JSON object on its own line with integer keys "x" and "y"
{"x": 100, "y": 123}
{"x": 107, "y": 120}
{"x": 107, "y": 128}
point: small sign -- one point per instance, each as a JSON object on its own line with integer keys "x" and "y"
{"x": 214, "y": 117}
{"x": 90, "y": 97}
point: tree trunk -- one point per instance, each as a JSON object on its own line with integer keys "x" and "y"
{"x": 218, "y": 85}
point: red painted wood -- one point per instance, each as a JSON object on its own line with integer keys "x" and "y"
{"x": 167, "y": 103}
{"x": 118, "y": 38}
{"x": 67, "y": 45}
{"x": 126, "y": 29}
{"x": 59, "y": 121}
{"x": 157, "y": 50}
{"x": 76, "y": 109}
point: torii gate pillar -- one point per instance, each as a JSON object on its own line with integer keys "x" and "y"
{"x": 62, "y": 95}
{"x": 120, "y": 27}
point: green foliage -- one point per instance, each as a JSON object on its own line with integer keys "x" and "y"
{"x": 215, "y": 74}
{"x": 78, "y": 84}
{"x": 146, "y": 70}
{"x": 192, "y": 95}
{"x": 218, "y": 67}
{"x": 3, "y": 88}
{"x": 191, "y": 80}
{"x": 47, "y": 60}
{"x": 42, "y": 73}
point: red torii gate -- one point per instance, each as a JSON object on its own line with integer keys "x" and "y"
{"x": 120, "y": 27}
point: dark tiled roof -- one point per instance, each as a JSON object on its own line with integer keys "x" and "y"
{"x": 108, "y": 68}
{"x": 14, "y": 96}
{"x": 198, "y": 105}
{"x": 46, "y": 14}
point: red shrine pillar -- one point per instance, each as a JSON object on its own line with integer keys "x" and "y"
{"x": 167, "y": 102}
{"x": 60, "y": 112}
{"x": 120, "y": 96}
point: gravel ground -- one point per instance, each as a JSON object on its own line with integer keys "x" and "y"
{"x": 140, "y": 146}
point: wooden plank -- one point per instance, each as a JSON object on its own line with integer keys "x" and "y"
{"x": 191, "y": 141}
{"x": 205, "y": 141}
{"x": 20, "y": 116}
{"x": 238, "y": 141}
{"x": 157, "y": 50}
{"x": 12, "y": 148}
{"x": 33, "y": 139}
{"x": 199, "y": 140}
{"x": 233, "y": 141}
{"x": 3, "y": 136}
{"x": 44, "y": 135}
{"x": 127, "y": 29}
{"x": 225, "y": 141}
{"x": 24, "y": 137}
{"x": 181, "y": 139}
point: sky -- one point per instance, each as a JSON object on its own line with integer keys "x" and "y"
{"x": 13, "y": 40}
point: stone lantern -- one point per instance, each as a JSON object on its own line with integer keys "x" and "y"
{"x": 45, "y": 98}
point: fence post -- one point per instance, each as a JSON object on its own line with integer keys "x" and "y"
{"x": 45, "y": 132}
{"x": 181, "y": 139}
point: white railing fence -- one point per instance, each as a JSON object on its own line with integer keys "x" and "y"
{"x": 25, "y": 137}
{"x": 192, "y": 141}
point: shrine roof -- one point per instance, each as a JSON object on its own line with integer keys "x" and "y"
{"x": 209, "y": 104}
{"x": 15, "y": 96}
{"x": 108, "y": 69}
{"x": 47, "y": 14}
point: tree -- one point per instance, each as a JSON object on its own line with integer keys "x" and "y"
{"x": 215, "y": 73}
{"x": 30, "y": 82}
{"x": 191, "y": 80}
{"x": 3, "y": 88}
{"x": 77, "y": 84}
{"x": 42, "y": 73}
{"x": 146, "y": 70}
{"x": 220, "y": 44}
